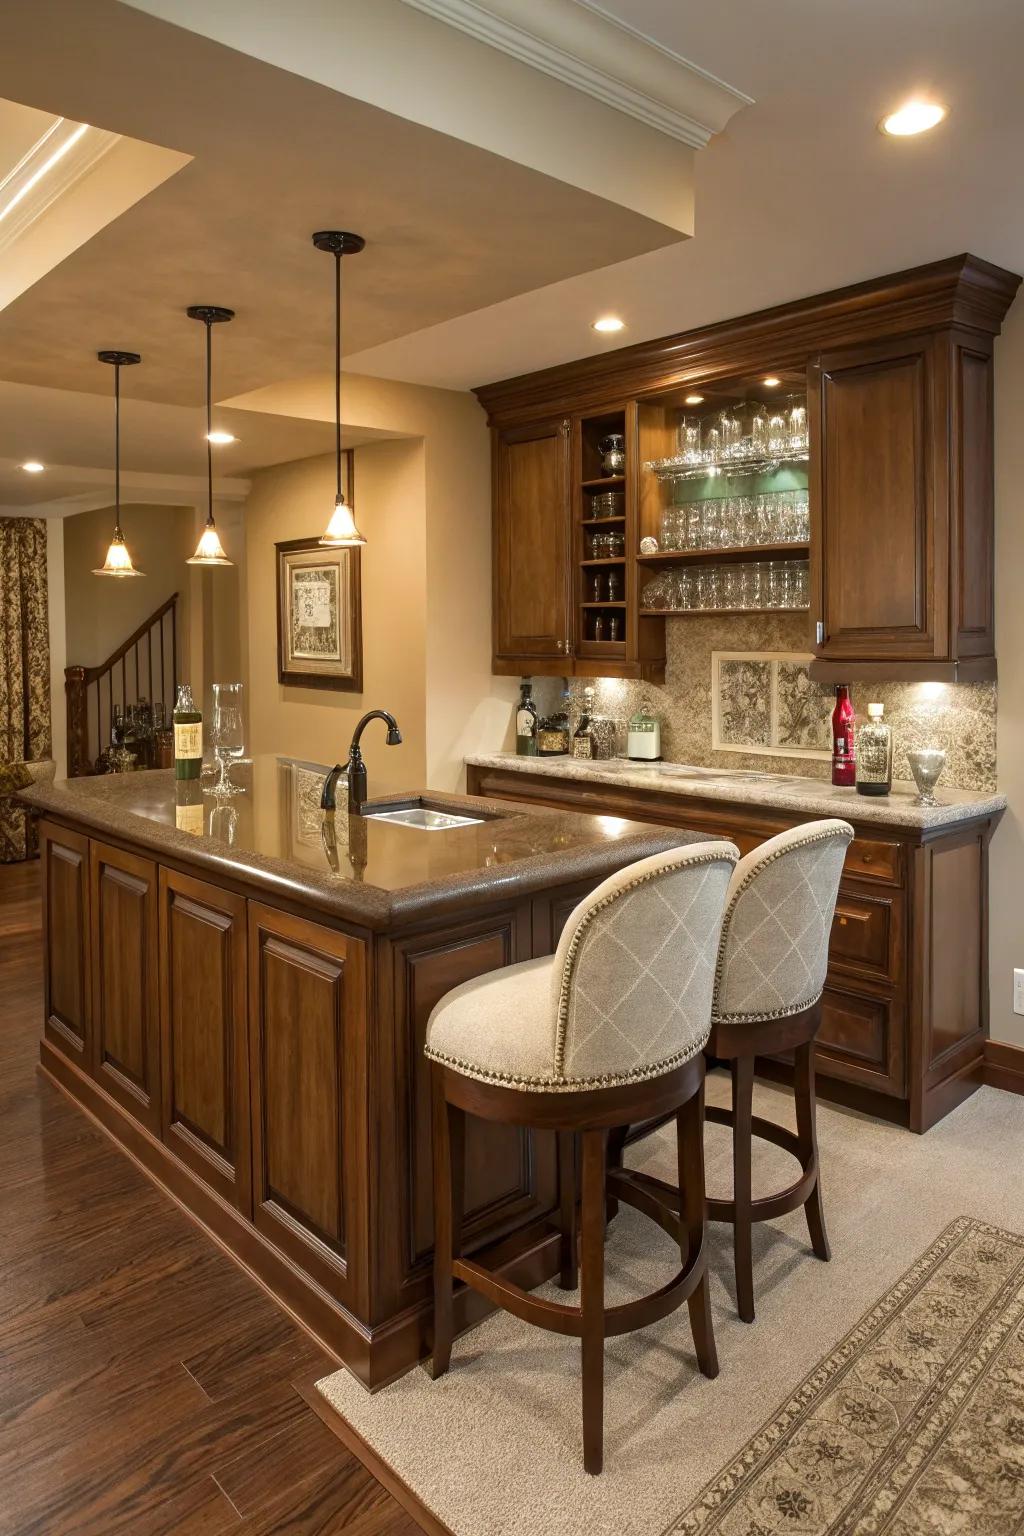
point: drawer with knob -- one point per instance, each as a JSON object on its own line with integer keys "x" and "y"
{"x": 867, "y": 933}
{"x": 871, "y": 859}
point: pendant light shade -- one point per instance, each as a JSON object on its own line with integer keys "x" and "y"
{"x": 341, "y": 531}
{"x": 118, "y": 561}
{"x": 209, "y": 550}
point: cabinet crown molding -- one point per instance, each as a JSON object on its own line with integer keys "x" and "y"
{"x": 960, "y": 290}
{"x": 575, "y": 42}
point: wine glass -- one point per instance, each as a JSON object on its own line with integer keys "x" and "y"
{"x": 226, "y": 736}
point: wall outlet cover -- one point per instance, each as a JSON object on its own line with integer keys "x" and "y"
{"x": 1018, "y": 991}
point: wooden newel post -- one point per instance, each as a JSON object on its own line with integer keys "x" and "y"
{"x": 78, "y": 744}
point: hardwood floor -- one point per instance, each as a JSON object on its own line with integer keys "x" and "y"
{"x": 146, "y": 1384}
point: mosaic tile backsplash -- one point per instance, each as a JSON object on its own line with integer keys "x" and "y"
{"x": 758, "y": 711}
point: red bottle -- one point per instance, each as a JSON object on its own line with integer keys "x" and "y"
{"x": 844, "y": 763}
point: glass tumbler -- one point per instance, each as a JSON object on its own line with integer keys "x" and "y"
{"x": 688, "y": 443}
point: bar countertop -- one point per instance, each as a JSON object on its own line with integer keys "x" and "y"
{"x": 274, "y": 835}
{"x": 779, "y": 791}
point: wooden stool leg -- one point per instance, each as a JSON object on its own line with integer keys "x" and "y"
{"x": 449, "y": 1148}
{"x": 807, "y": 1132}
{"x": 568, "y": 1277}
{"x": 616, "y": 1155}
{"x": 693, "y": 1223}
{"x": 742, "y": 1142}
{"x": 592, "y": 1298}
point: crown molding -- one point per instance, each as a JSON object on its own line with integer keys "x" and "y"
{"x": 36, "y": 187}
{"x": 577, "y": 43}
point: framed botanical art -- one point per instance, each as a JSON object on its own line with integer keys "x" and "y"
{"x": 319, "y": 616}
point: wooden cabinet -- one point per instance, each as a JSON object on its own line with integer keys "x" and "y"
{"x": 307, "y": 1068}
{"x": 125, "y": 980}
{"x": 64, "y": 856}
{"x": 204, "y": 1038}
{"x": 900, "y": 418}
{"x": 532, "y": 546}
{"x": 905, "y": 1008}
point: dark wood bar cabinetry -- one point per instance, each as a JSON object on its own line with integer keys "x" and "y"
{"x": 905, "y": 1011}
{"x": 260, "y": 1052}
{"x": 897, "y": 375}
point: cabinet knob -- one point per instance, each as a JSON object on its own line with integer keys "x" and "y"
{"x": 560, "y": 647}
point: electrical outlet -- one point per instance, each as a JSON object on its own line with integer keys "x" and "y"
{"x": 1018, "y": 991}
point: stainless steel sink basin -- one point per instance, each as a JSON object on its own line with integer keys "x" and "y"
{"x": 424, "y": 818}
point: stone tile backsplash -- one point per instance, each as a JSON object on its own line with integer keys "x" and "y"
{"x": 770, "y": 701}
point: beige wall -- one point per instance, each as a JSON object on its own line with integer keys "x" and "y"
{"x": 1006, "y": 887}
{"x": 58, "y": 641}
{"x": 101, "y": 613}
{"x": 423, "y": 502}
{"x": 294, "y": 501}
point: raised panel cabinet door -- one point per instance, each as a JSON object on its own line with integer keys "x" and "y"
{"x": 307, "y": 1043}
{"x": 861, "y": 1038}
{"x": 64, "y": 857}
{"x": 126, "y": 980}
{"x": 532, "y": 541}
{"x": 203, "y": 1033}
{"x": 510, "y": 1173}
{"x": 880, "y": 545}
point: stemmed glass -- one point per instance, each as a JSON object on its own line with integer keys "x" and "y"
{"x": 226, "y": 736}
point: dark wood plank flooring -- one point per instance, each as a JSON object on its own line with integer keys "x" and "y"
{"x": 146, "y": 1384}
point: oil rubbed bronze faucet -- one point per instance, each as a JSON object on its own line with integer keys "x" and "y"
{"x": 356, "y": 767}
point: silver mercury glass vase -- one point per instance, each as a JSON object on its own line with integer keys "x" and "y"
{"x": 926, "y": 765}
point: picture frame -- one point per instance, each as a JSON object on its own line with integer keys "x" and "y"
{"x": 764, "y": 703}
{"x": 319, "y": 615}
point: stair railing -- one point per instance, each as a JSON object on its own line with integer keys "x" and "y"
{"x": 148, "y": 657}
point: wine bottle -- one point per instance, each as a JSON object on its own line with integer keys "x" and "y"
{"x": 844, "y": 762}
{"x": 583, "y": 736}
{"x": 188, "y": 735}
{"x": 526, "y": 721}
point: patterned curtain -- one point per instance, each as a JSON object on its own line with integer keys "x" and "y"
{"x": 24, "y": 668}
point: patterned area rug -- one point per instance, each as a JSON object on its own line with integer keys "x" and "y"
{"x": 912, "y": 1426}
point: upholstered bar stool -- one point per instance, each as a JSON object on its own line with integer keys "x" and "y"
{"x": 768, "y": 984}
{"x": 609, "y": 1030}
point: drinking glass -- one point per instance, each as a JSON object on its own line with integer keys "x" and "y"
{"x": 226, "y": 736}
{"x": 731, "y": 428}
{"x": 759, "y": 432}
{"x": 712, "y": 525}
{"x": 732, "y": 586}
{"x": 797, "y": 414}
{"x": 802, "y": 585}
{"x": 686, "y": 590}
{"x": 926, "y": 765}
{"x": 751, "y": 586}
{"x": 778, "y": 434}
{"x": 689, "y": 440}
{"x": 712, "y": 443}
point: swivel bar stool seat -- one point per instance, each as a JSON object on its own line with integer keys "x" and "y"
{"x": 768, "y": 985}
{"x": 609, "y": 1030}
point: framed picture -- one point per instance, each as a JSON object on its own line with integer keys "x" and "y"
{"x": 765, "y": 702}
{"x": 319, "y": 616}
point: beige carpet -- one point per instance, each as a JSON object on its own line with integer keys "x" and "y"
{"x": 494, "y": 1447}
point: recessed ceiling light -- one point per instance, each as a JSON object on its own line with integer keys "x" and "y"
{"x": 912, "y": 117}
{"x": 219, "y": 437}
{"x": 33, "y": 467}
{"x": 771, "y": 382}
{"x": 609, "y": 323}
{"x": 694, "y": 400}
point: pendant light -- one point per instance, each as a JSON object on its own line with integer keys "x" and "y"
{"x": 209, "y": 550}
{"x": 118, "y": 561}
{"x": 341, "y": 532}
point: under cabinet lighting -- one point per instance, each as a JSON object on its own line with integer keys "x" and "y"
{"x": 609, "y": 323}
{"x": 33, "y": 467}
{"x": 694, "y": 400}
{"x": 913, "y": 117}
{"x": 220, "y": 437}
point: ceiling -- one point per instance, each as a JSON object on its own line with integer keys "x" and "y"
{"x": 476, "y": 268}
{"x": 800, "y": 193}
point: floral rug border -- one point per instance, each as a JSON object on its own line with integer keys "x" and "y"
{"x": 878, "y": 1492}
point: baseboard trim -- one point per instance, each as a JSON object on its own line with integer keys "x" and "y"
{"x": 1004, "y": 1066}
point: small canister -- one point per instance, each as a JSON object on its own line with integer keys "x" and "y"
{"x": 643, "y": 737}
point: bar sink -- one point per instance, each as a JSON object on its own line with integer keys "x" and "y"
{"x": 424, "y": 818}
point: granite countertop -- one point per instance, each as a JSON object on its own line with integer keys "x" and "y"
{"x": 371, "y": 873}
{"x": 779, "y": 791}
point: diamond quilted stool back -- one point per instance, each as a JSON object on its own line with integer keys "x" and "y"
{"x": 782, "y": 897}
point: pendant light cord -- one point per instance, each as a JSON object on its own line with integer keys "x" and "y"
{"x": 209, "y": 423}
{"x": 337, "y": 367}
{"x": 117, "y": 452}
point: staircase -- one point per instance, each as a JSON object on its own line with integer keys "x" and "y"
{"x": 144, "y": 667}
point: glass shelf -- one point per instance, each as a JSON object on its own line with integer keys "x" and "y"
{"x": 727, "y": 556}
{"x": 677, "y": 468}
{"x": 675, "y": 613}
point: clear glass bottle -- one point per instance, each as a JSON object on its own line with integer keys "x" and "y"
{"x": 188, "y": 735}
{"x": 874, "y": 754}
{"x": 526, "y": 721}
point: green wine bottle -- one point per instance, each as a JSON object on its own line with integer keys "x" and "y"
{"x": 188, "y": 735}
